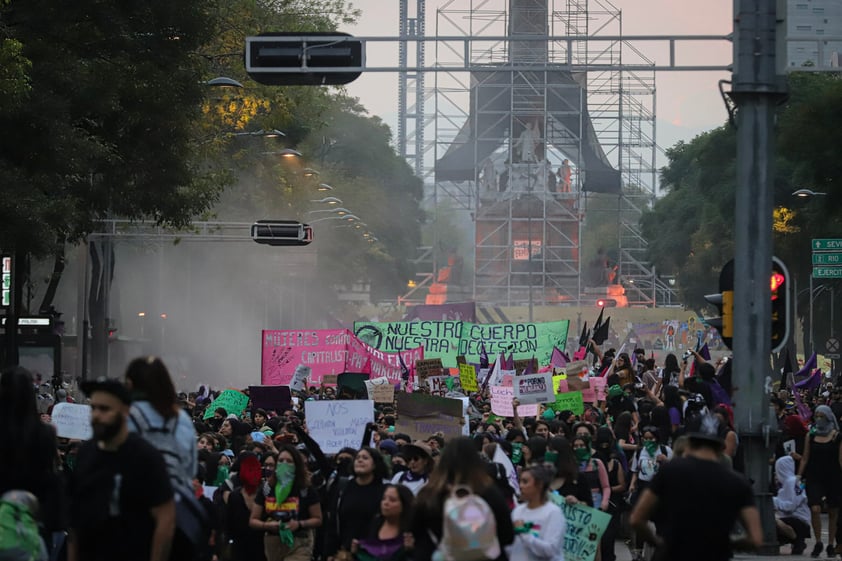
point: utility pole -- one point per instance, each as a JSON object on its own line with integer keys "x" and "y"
{"x": 756, "y": 90}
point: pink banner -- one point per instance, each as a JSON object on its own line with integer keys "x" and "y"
{"x": 326, "y": 351}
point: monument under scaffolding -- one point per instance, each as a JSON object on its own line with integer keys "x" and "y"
{"x": 523, "y": 150}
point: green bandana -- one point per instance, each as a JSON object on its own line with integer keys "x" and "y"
{"x": 582, "y": 454}
{"x": 550, "y": 456}
{"x": 651, "y": 447}
{"x": 221, "y": 476}
{"x": 517, "y": 452}
{"x": 285, "y": 476}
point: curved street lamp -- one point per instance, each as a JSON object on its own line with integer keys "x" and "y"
{"x": 223, "y": 82}
{"x": 807, "y": 193}
{"x": 324, "y": 187}
{"x": 328, "y": 201}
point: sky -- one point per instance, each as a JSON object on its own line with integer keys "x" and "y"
{"x": 687, "y": 103}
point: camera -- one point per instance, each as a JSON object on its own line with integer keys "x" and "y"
{"x": 687, "y": 354}
{"x": 282, "y": 516}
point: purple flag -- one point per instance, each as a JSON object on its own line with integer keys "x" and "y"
{"x": 705, "y": 352}
{"x": 558, "y": 359}
{"x": 510, "y": 362}
{"x": 483, "y": 357}
{"x": 808, "y": 366}
{"x": 812, "y": 382}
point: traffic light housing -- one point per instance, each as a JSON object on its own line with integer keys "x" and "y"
{"x": 779, "y": 287}
{"x": 281, "y": 232}
{"x": 779, "y": 294}
{"x": 312, "y": 59}
{"x": 724, "y": 302}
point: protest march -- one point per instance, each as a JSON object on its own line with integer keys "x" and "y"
{"x": 415, "y": 440}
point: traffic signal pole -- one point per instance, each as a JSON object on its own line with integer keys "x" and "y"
{"x": 756, "y": 90}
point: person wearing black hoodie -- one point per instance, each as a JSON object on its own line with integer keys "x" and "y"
{"x": 605, "y": 449}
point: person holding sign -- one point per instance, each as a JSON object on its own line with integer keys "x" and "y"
{"x": 287, "y": 508}
{"x": 539, "y": 524}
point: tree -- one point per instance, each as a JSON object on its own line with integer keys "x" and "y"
{"x": 690, "y": 230}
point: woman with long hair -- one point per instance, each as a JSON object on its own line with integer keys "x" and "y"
{"x": 626, "y": 434}
{"x": 287, "y": 509}
{"x": 593, "y": 471}
{"x": 459, "y": 465}
{"x": 820, "y": 466}
{"x": 539, "y": 524}
{"x": 388, "y": 538}
{"x": 670, "y": 371}
{"x": 28, "y": 447}
{"x": 567, "y": 482}
{"x": 157, "y": 417}
{"x": 355, "y": 502}
{"x": 246, "y": 543}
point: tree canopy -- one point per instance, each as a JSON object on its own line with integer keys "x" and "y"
{"x": 691, "y": 229}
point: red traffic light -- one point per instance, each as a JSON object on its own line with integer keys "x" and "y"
{"x": 600, "y": 303}
{"x": 777, "y": 280}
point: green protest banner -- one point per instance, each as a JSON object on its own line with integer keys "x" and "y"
{"x": 468, "y": 376}
{"x": 448, "y": 340}
{"x": 569, "y": 401}
{"x": 232, "y": 401}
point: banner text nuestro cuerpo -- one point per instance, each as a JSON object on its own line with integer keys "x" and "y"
{"x": 449, "y": 339}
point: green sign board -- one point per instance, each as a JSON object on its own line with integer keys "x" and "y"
{"x": 827, "y": 272}
{"x": 448, "y": 339}
{"x": 827, "y": 259}
{"x": 825, "y": 244}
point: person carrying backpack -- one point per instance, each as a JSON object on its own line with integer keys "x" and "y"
{"x": 460, "y": 496}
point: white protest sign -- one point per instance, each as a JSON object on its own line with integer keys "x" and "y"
{"x": 501, "y": 403}
{"x": 380, "y": 390}
{"x": 438, "y": 385}
{"x": 73, "y": 420}
{"x": 534, "y": 388}
{"x": 338, "y": 424}
{"x": 299, "y": 378}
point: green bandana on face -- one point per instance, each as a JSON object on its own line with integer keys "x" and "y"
{"x": 651, "y": 447}
{"x": 517, "y": 452}
{"x": 582, "y": 454}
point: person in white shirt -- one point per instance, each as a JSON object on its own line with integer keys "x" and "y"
{"x": 792, "y": 515}
{"x": 539, "y": 523}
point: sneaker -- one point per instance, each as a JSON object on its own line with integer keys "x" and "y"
{"x": 798, "y": 547}
{"x": 817, "y": 549}
{"x": 831, "y": 550}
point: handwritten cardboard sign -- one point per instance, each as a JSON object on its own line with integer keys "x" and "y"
{"x": 330, "y": 379}
{"x": 501, "y": 403}
{"x": 576, "y": 368}
{"x": 338, "y": 424}
{"x": 438, "y": 385}
{"x": 232, "y": 401}
{"x": 570, "y": 401}
{"x": 585, "y": 526}
{"x": 468, "y": 376}
{"x": 380, "y": 390}
{"x": 73, "y": 420}
{"x": 523, "y": 363}
{"x": 421, "y": 415}
{"x": 534, "y": 388}
{"x": 426, "y": 368}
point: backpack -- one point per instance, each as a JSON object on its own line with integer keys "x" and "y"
{"x": 193, "y": 524}
{"x": 20, "y": 539}
{"x": 469, "y": 529}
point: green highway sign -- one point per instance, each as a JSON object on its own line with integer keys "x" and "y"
{"x": 827, "y": 272}
{"x": 827, "y": 259}
{"x": 825, "y": 244}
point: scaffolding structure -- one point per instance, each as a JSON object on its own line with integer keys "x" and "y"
{"x": 538, "y": 143}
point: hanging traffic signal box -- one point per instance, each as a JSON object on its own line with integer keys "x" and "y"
{"x": 281, "y": 232}
{"x": 312, "y": 59}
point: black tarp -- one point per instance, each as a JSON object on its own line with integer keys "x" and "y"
{"x": 491, "y": 105}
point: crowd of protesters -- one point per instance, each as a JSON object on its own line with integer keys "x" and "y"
{"x": 266, "y": 490}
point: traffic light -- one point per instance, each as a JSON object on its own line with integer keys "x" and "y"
{"x": 314, "y": 59}
{"x": 724, "y": 302}
{"x": 606, "y": 303}
{"x": 779, "y": 287}
{"x": 281, "y": 232}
